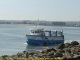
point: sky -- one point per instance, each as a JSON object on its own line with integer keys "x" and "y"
{"x": 50, "y": 10}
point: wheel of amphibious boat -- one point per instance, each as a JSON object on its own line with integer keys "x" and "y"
{"x": 44, "y": 43}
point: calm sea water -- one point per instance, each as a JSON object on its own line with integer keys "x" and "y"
{"x": 13, "y": 39}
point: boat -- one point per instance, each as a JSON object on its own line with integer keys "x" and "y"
{"x": 39, "y": 36}
{"x": 42, "y": 37}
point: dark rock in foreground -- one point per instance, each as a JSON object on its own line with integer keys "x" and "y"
{"x": 74, "y": 43}
{"x": 67, "y": 51}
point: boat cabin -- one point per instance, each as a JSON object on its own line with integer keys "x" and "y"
{"x": 46, "y": 32}
{"x": 36, "y": 31}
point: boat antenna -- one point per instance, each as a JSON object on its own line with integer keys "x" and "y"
{"x": 37, "y": 23}
{"x": 38, "y": 20}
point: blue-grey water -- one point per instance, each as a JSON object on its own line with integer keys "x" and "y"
{"x": 13, "y": 39}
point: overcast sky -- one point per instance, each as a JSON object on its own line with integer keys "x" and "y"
{"x": 51, "y": 10}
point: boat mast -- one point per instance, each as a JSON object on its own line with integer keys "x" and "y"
{"x": 37, "y": 23}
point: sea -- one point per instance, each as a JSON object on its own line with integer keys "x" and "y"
{"x": 13, "y": 37}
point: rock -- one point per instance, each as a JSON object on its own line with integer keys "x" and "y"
{"x": 74, "y": 43}
{"x": 77, "y": 46}
{"x": 78, "y": 53}
{"x": 50, "y": 53}
{"x": 52, "y": 56}
{"x": 27, "y": 55}
{"x": 71, "y": 58}
{"x": 67, "y": 45}
{"x": 64, "y": 58}
{"x": 60, "y": 46}
{"x": 75, "y": 50}
{"x": 30, "y": 56}
{"x": 13, "y": 56}
{"x": 68, "y": 50}
{"x": 44, "y": 54}
{"x": 5, "y": 56}
{"x": 60, "y": 50}
{"x": 77, "y": 57}
{"x": 37, "y": 53}
{"x": 58, "y": 54}
{"x": 19, "y": 54}
{"x": 40, "y": 55}
{"x": 24, "y": 56}
{"x": 31, "y": 53}
{"x": 67, "y": 54}
{"x": 68, "y": 58}
{"x": 44, "y": 51}
{"x": 51, "y": 49}
{"x": 24, "y": 52}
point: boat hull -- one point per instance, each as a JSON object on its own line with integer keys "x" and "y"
{"x": 44, "y": 42}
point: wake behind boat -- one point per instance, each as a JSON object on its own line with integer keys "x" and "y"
{"x": 43, "y": 37}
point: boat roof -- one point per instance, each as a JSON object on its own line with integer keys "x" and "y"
{"x": 35, "y": 29}
{"x": 41, "y": 29}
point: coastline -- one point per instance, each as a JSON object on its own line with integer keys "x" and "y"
{"x": 38, "y": 25}
{"x": 66, "y": 51}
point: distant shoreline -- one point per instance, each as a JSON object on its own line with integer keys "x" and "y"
{"x": 38, "y": 25}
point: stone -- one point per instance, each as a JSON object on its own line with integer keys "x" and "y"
{"x": 31, "y": 53}
{"x": 43, "y": 51}
{"x": 19, "y": 54}
{"x": 74, "y": 43}
{"x": 67, "y": 45}
{"x": 24, "y": 52}
{"x": 60, "y": 50}
{"x": 60, "y": 46}
{"x": 40, "y": 55}
{"x": 77, "y": 57}
{"x": 51, "y": 49}
{"x": 50, "y": 53}
{"x": 58, "y": 54}
{"x": 67, "y": 54}
{"x": 68, "y": 50}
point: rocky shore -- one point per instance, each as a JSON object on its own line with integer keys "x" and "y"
{"x": 67, "y": 51}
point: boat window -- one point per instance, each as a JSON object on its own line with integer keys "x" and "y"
{"x": 41, "y": 32}
{"x": 47, "y": 34}
{"x": 59, "y": 33}
{"x": 32, "y": 31}
{"x": 37, "y": 31}
{"x": 53, "y": 33}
